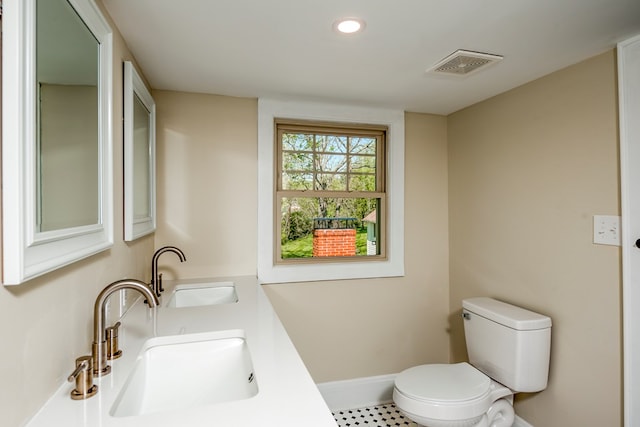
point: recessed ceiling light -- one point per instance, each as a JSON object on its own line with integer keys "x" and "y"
{"x": 348, "y": 25}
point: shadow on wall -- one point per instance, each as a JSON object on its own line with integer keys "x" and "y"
{"x": 458, "y": 347}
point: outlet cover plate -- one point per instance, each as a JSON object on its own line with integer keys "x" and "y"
{"x": 606, "y": 230}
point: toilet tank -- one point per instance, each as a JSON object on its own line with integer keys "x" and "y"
{"x": 508, "y": 343}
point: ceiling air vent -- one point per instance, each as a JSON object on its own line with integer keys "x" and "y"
{"x": 464, "y": 62}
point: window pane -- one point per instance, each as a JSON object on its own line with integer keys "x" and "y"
{"x": 321, "y": 227}
{"x": 362, "y": 183}
{"x": 359, "y": 145}
{"x": 331, "y": 162}
{"x": 297, "y": 141}
{"x": 297, "y": 181}
{"x": 331, "y": 143}
{"x": 297, "y": 161}
{"x": 362, "y": 164}
{"x": 330, "y": 182}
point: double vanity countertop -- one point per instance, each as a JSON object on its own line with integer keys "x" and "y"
{"x": 286, "y": 397}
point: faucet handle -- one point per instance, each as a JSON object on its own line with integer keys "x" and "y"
{"x": 113, "y": 352}
{"x": 83, "y": 376}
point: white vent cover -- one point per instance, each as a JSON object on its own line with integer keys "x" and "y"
{"x": 463, "y": 63}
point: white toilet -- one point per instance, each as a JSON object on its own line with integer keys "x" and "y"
{"x": 508, "y": 350}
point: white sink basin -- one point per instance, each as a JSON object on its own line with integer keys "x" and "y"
{"x": 197, "y": 294}
{"x": 185, "y": 371}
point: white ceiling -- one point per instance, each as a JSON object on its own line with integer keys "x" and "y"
{"x": 287, "y": 48}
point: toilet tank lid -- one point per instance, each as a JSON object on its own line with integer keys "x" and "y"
{"x": 506, "y": 314}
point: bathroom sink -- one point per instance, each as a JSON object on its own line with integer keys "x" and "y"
{"x": 198, "y": 294}
{"x": 186, "y": 371}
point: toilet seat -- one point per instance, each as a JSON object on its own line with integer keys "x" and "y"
{"x": 444, "y": 391}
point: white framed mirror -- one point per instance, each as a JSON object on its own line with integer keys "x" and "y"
{"x": 139, "y": 156}
{"x": 57, "y": 165}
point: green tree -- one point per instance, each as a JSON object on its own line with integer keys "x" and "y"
{"x": 328, "y": 162}
{"x": 295, "y": 225}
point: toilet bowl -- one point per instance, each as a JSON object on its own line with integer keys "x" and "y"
{"x": 456, "y": 395}
{"x": 508, "y": 348}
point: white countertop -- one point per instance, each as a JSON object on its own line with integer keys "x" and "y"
{"x": 287, "y": 395}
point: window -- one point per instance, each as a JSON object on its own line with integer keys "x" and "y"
{"x": 389, "y": 258}
{"x": 330, "y": 195}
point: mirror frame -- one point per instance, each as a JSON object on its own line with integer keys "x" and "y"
{"x": 28, "y": 253}
{"x": 134, "y": 86}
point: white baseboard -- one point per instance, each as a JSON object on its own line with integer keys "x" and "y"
{"x": 357, "y": 392}
{"x": 368, "y": 391}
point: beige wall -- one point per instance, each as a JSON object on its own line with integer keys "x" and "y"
{"x": 527, "y": 171}
{"x": 207, "y": 192}
{"x": 46, "y": 323}
{"x": 207, "y": 158}
{"x": 359, "y": 328}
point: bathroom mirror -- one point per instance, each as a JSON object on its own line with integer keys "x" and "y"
{"x": 56, "y": 152}
{"x": 139, "y": 156}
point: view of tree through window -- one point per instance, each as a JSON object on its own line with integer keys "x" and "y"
{"x": 330, "y": 190}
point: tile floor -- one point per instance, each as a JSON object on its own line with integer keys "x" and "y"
{"x": 383, "y": 415}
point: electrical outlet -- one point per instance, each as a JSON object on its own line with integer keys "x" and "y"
{"x": 606, "y": 230}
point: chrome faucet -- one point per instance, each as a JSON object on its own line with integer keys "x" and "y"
{"x": 99, "y": 347}
{"x": 156, "y": 279}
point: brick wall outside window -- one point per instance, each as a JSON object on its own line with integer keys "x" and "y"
{"x": 340, "y": 242}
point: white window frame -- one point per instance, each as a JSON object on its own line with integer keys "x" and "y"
{"x": 393, "y": 265}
